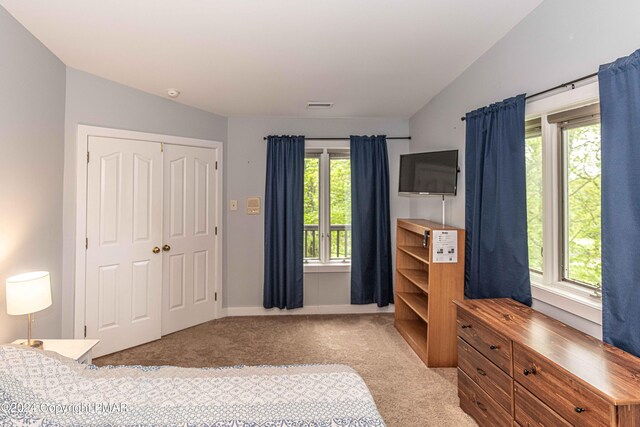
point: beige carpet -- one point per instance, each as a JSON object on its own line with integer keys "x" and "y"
{"x": 406, "y": 392}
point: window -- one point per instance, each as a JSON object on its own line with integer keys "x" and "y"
{"x": 533, "y": 159}
{"x": 562, "y": 155}
{"x": 327, "y": 206}
{"x": 340, "y": 206}
{"x": 312, "y": 208}
{"x": 581, "y": 203}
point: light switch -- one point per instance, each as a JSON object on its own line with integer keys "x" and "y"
{"x": 233, "y": 205}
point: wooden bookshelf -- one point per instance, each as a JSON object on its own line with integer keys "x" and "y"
{"x": 425, "y": 314}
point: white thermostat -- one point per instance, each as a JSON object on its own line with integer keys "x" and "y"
{"x": 253, "y": 206}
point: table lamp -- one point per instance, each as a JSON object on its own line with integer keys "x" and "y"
{"x": 26, "y": 294}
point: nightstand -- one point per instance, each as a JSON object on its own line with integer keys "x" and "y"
{"x": 78, "y": 350}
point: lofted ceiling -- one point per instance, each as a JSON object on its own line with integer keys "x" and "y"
{"x": 372, "y": 58}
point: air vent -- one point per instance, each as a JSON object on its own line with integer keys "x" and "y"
{"x": 315, "y": 104}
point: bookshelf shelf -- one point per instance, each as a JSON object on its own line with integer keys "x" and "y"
{"x": 418, "y": 252}
{"x": 420, "y": 278}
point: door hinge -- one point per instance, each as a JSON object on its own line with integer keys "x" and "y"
{"x": 162, "y": 147}
{"x": 87, "y": 157}
{"x": 216, "y": 165}
{"x": 216, "y": 230}
{"x": 85, "y": 331}
{"x": 215, "y": 296}
{"x": 86, "y": 243}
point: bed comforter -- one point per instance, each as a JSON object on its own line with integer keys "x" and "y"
{"x": 44, "y": 389}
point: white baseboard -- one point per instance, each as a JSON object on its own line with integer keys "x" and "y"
{"x": 311, "y": 309}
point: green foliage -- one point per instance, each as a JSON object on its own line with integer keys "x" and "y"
{"x": 533, "y": 156}
{"x": 340, "y": 194}
{"x": 582, "y": 204}
{"x": 340, "y": 177}
{"x": 312, "y": 191}
{"x": 340, "y": 212}
{"x": 312, "y": 207}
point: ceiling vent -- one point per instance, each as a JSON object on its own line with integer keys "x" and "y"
{"x": 315, "y": 104}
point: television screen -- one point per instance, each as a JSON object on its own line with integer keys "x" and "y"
{"x": 429, "y": 173}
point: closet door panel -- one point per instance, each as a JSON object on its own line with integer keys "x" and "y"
{"x": 124, "y": 224}
{"x": 189, "y": 217}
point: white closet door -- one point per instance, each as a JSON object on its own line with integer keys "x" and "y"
{"x": 189, "y": 276}
{"x": 124, "y": 225}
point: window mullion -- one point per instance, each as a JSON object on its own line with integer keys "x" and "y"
{"x": 550, "y": 204}
{"x": 325, "y": 212}
{"x": 563, "y": 160}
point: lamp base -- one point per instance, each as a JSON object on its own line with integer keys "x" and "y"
{"x": 32, "y": 343}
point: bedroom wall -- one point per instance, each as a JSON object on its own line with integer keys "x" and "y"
{"x": 91, "y": 100}
{"x": 559, "y": 41}
{"x": 32, "y": 84}
{"x": 246, "y": 169}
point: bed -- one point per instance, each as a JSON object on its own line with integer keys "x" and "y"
{"x": 43, "y": 388}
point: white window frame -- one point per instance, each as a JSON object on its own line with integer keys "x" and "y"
{"x": 325, "y": 264}
{"x": 549, "y": 287}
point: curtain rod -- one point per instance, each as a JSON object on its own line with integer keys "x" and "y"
{"x": 347, "y": 138}
{"x": 572, "y": 83}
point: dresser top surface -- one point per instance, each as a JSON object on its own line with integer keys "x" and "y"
{"x": 605, "y": 369}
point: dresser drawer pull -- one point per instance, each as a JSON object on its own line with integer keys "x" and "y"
{"x": 494, "y": 347}
{"x": 531, "y": 370}
{"x": 481, "y": 372}
{"x": 466, "y": 326}
{"x": 579, "y": 409}
{"x": 481, "y": 405}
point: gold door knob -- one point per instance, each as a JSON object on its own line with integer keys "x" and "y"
{"x": 166, "y": 248}
{"x": 156, "y": 250}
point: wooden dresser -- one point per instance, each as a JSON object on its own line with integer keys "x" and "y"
{"x": 517, "y": 366}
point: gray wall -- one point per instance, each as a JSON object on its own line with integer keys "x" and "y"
{"x": 559, "y": 41}
{"x": 91, "y": 100}
{"x": 246, "y": 169}
{"x": 32, "y": 88}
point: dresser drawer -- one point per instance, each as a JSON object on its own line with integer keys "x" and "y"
{"x": 492, "y": 345}
{"x": 488, "y": 376}
{"x": 531, "y": 412}
{"x": 479, "y": 405}
{"x": 559, "y": 390}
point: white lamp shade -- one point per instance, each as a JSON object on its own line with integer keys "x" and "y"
{"x": 28, "y": 293}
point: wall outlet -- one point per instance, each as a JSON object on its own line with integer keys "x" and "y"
{"x": 233, "y": 205}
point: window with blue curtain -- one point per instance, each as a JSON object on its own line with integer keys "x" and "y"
{"x": 284, "y": 222}
{"x": 619, "y": 84}
{"x": 371, "y": 271}
{"x": 496, "y": 261}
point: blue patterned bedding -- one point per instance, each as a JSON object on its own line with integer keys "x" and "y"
{"x": 44, "y": 389}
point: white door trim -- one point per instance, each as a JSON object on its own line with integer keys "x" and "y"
{"x": 84, "y": 132}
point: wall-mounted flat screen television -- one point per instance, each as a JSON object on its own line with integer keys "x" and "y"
{"x": 433, "y": 173}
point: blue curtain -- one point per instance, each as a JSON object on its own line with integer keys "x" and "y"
{"x": 497, "y": 259}
{"x": 620, "y": 117}
{"x": 371, "y": 274}
{"x": 284, "y": 222}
